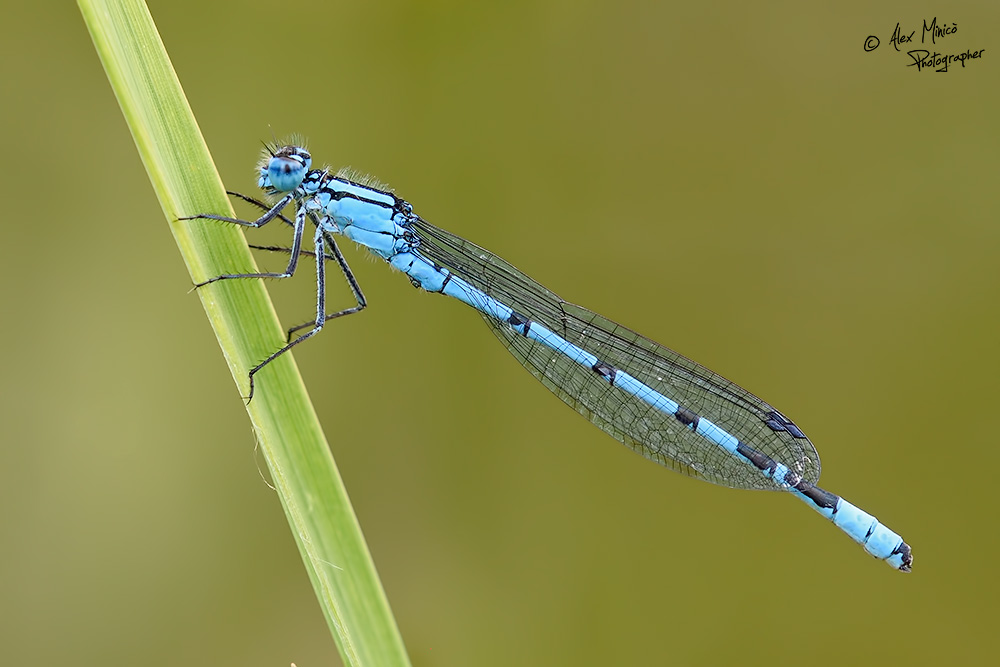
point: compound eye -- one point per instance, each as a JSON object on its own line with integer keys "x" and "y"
{"x": 286, "y": 173}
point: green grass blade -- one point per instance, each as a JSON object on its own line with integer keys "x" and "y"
{"x": 305, "y": 476}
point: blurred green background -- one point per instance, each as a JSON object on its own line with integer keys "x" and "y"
{"x": 743, "y": 183}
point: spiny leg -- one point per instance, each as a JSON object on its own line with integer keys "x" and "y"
{"x": 271, "y": 248}
{"x": 265, "y": 207}
{"x": 320, "y": 306}
{"x": 283, "y": 249}
{"x": 345, "y": 269}
{"x": 259, "y": 204}
{"x": 351, "y": 281}
{"x": 270, "y": 213}
{"x": 293, "y": 260}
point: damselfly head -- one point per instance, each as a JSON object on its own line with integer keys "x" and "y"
{"x": 283, "y": 169}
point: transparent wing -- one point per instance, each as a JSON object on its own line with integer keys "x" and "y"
{"x": 650, "y": 432}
